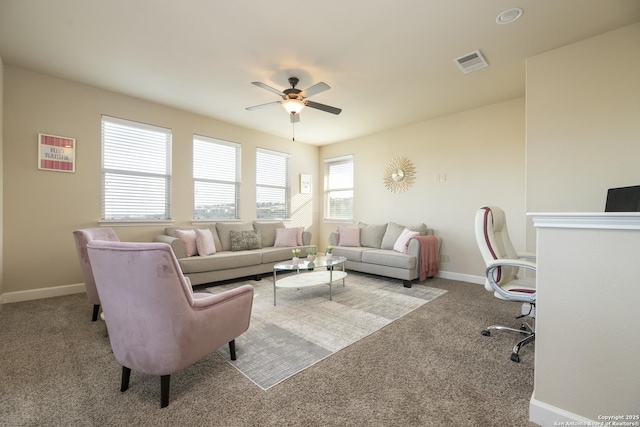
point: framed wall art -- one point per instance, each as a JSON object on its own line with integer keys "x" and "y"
{"x": 305, "y": 184}
{"x": 56, "y": 153}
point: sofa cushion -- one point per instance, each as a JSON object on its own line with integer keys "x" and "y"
{"x": 391, "y": 234}
{"x": 371, "y": 234}
{"x": 204, "y": 242}
{"x": 220, "y": 261}
{"x": 276, "y": 254}
{"x": 224, "y": 228}
{"x": 349, "y": 236}
{"x": 402, "y": 244}
{"x": 286, "y": 237}
{"x": 268, "y": 231}
{"x": 188, "y": 238}
{"x": 389, "y": 259}
{"x": 349, "y": 252}
{"x": 299, "y": 232}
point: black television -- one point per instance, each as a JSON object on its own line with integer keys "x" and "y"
{"x": 623, "y": 199}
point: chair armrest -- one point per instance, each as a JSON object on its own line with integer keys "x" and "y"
{"x": 201, "y": 302}
{"x": 494, "y": 265}
{"x": 526, "y": 255}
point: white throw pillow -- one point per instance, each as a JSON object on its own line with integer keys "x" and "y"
{"x": 188, "y": 237}
{"x": 286, "y": 237}
{"x": 402, "y": 244}
{"x": 204, "y": 242}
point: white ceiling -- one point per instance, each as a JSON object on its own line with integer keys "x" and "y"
{"x": 389, "y": 63}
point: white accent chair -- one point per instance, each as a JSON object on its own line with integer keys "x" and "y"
{"x": 503, "y": 265}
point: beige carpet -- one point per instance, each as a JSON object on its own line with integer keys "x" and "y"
{"x": 306, "y": 327}
{"x": 429, "y": 368}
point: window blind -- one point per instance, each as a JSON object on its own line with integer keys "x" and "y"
{"x": 338, "y": 188}
{"x": 216, "y": 178}
{"x": 136, "y": 171}
{"x": 272, "y": 185}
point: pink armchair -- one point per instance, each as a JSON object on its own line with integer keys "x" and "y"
{"x": 82, "y": 237}
{"x": 156, "y": 324}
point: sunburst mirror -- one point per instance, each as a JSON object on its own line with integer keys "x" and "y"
{"x": 399, "y": 174}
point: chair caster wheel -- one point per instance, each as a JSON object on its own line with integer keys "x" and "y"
{"x": 515, "y": 357}
{"x": 486, "y": 333}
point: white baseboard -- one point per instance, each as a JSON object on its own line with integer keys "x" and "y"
{"x": 547, "y": 415}
{"x": 32, "y": 294}
{"x": 462, "y": 277}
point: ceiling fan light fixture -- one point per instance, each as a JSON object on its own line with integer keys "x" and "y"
{"x": 293, "y": 106}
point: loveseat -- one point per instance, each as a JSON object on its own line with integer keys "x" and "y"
{"x": 222, "y": 251}
{"x": 389, "y": 249}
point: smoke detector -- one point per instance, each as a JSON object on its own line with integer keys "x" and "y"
{"x": 471, "y": 62}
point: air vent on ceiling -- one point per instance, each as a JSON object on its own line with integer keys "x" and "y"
{"x": 471, "y": 62}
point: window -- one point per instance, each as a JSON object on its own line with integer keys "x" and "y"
{"x": 338, "y": 188}
{"x": 272, "y": 185}
{"x": 216, "y": 178}
{"x": 136, "y": 171}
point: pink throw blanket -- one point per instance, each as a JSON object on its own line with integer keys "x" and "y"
{"x": 428, "y": 259}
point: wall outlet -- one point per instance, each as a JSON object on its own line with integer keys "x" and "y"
{"x": 445, "y": 258}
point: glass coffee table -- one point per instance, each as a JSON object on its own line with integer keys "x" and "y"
{"x": 308, "y": 273}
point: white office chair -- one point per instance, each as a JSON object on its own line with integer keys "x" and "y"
{"x": 503, "y": 264}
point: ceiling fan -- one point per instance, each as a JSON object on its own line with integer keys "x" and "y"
{"x": 294, "y": 100}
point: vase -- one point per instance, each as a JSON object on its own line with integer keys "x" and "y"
{"x": 329, "y": 257}
{"x": 295, "y": 260}
{"x": 311, "y": 258}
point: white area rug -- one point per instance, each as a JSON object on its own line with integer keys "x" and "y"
{"x": 305, "y": 327}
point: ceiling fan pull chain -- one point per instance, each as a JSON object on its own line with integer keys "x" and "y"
{"x": 293, "y": 131}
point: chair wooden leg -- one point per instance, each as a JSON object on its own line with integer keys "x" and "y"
{"x": 232, "y": 349}
{"x": 126, "y": 373}
{"x": 164, "y": 390}
{"x": 96, "y": 310}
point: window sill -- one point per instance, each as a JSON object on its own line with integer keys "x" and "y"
{"x": 143, "y": 223}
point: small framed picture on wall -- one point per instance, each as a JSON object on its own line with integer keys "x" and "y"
{"x": 56, "y": 153}
{"x": 305, "y": 184}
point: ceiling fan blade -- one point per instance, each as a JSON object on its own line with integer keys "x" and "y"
{"x": 255, "y": 107}
{"x": 327, "y": 108}
{"x": 269, "y": 88}
{"x": 295, "y": 118}
{"x": 315, "y": 89}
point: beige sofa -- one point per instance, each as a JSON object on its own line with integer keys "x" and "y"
{"x": 373, "y": 252}
{"x": 226, "y": 263}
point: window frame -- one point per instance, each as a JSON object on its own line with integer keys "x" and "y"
{"x": 235, "y": 182}
{"x": 271, "y": 186}
{"x": 137, "y": 191}
{"x": 328, "y": 163}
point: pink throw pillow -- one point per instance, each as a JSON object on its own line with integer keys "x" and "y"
{"x": 402, "y": 244}
{"x": 204, "y": 242}
{"x": 348, "y": 236}
{"x": 188, "y": 237}
{"x": 286, "y": 237}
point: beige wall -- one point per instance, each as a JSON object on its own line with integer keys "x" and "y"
{"x": 583, "y": 123}
{"x": 482, "y": 153}
{"x": 1, "y": 180}
{"x": 583, "y": 136}
{"x": 42, "y": 208}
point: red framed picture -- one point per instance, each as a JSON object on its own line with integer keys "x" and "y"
{"x": 56, "y": 153}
